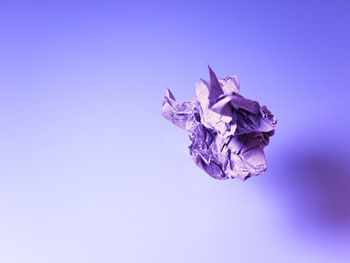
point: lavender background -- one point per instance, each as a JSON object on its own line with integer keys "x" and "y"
{"x": 91, "y": 172}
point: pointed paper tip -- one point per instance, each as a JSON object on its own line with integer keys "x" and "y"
{"x": 169, "y": 94}
{"x": 215, "y": 87}
{"x": 213, "y": 78}
{"x": 212, "y": 74}
{"x": 206, "y": 83}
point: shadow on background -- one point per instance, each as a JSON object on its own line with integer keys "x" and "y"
{"x": 317, "y": 184}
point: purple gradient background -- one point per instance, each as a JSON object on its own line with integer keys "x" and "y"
{"x": 91, "y": 172}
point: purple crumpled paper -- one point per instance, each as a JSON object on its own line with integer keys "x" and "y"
{"x": 228, "y": 132}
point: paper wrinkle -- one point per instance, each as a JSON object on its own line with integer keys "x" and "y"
{"x": 228, "y": 132}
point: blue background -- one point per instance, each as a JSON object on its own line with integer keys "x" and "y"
{"x": 91, "y": 172}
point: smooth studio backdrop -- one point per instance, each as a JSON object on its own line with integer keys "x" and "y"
{"x": 91, "y": 172}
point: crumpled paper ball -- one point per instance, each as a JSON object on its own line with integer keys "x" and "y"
{"x": 228, "y": 132}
